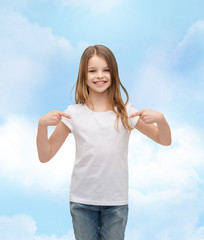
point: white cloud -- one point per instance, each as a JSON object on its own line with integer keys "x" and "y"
{"x": 174, "y": 76}
{"x": 189, "y": 54}
{"x": 176, "y": 165}
{"x": 95, "y": 6}
{"x": 20, "y": 38}
{"x": 19, "y": 161}
{"x": 194, "y": 35}
{"x": 23, "y": 227}
{"x": 46, "y": 43}
{"x": 28, "y": 54}
{"x": 153, "y": 81}
{"x": 166, "y": 183}
{"x": 17, "y": 227}
{"x": 166, "y": 193}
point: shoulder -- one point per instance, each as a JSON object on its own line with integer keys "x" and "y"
{"x": 130, "y": 107}
{"x": 131, "y": 110}
{"x": 74, "y": 108}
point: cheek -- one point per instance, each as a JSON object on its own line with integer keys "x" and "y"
{"x": 90, "y": 76}
{"x": 109, "y": 76}
{"x": 89, "y": 80}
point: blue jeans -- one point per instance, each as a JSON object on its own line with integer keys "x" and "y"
{"x": 92, "y": 222}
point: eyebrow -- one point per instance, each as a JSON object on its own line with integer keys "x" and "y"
{"x": 96, "y": 67}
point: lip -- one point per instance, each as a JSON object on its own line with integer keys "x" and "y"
{"x": 100, "y": 85}
{"x": 100, "y": 81}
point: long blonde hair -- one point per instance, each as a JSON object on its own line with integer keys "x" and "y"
{"x": 114, "y": 94}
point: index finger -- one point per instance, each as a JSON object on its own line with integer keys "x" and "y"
{"x": 63, "y": 114}
{"x": 139, "y": 113}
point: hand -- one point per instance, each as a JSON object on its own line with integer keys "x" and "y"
{"x": 148, "y": 116}
{"x": 52, "y": 118}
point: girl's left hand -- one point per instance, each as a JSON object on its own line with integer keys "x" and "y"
{"x": 148, "y": 116}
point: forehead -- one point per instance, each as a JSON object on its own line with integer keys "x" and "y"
{"x": 97, "y": 61}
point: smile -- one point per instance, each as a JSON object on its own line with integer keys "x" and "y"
{"x": 100, "y": 83}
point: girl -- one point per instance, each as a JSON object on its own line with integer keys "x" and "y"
{"x": 101, "y": 123}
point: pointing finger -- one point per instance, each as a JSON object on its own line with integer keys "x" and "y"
{"x": 139, "y": 113}
{"x": 64, "y": 115}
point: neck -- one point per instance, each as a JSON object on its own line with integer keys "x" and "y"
{"x": 100, "y": 101}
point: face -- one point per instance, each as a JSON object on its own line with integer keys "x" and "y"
{"x": 98, "y": 77}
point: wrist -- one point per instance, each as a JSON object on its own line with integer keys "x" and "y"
{"x": 42, "y": 123}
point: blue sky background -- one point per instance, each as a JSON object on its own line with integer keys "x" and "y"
{"x": 159, "y": 47}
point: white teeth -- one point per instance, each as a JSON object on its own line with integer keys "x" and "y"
{"x": 99, "y": 82}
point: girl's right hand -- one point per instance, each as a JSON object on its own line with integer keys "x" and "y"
{"x": 52, "y": 118}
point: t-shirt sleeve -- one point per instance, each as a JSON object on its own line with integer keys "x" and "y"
{"x": 130, "y": 110}
{"x": 68, "y": 121}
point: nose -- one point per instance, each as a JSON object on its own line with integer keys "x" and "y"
{"x": 100, "y": 74}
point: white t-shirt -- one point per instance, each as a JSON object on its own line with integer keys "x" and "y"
{"x": 100, "y": 173}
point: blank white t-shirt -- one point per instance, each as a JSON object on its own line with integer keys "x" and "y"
{"x": 100, "y": 173}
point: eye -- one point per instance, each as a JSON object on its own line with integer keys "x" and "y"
{"x": 91, "y": 71}
{"x": 107, "y": 70}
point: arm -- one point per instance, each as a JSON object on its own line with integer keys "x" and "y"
{"x": 160, "y": 133}
{"x": 47, "y": 148}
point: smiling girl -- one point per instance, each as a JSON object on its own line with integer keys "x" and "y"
{"x": 101, "y": 123}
